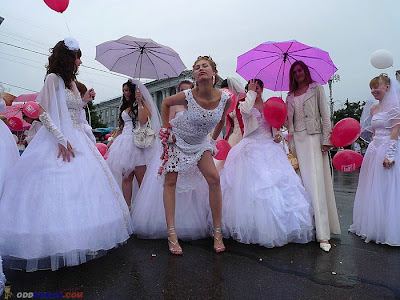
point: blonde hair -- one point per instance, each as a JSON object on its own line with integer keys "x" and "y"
{"x": 212, "y": 63}
{"x": 4, "y": 119}
{"x": 383, "y": 78}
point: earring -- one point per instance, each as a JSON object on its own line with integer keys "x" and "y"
{"x": 213, "y": 80}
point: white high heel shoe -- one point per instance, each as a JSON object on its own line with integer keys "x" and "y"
{"x": 325, "y": 246}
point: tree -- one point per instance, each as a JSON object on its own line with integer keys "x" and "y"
{"x": 95, "y": 118}
{"x": 351, "y": 110}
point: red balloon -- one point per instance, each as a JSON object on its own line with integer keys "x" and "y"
{"x": 108, "y": 136}
{"x": 275, "y": 112}
{"x": 57, "y": 5}
{"x": 233, "y": 97}
{"x": 31, "y": 109}
{"x": 102, "y": 148}
{"x": 15, "y": 124}
{"x": 345, "y": 132}
{"x": 223, "y": 149}
{"x": 347, "y": 161}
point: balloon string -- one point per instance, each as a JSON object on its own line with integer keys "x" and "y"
{"x": 67, "y": 24}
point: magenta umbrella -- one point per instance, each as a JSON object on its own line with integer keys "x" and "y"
{"x": 271, "y": 63}
{"x": 26, "y": 97}
{"x": 15, "y": 111}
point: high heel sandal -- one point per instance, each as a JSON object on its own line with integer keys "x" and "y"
{"x": 177, "y": 251}
{"x": 218, "y": 249}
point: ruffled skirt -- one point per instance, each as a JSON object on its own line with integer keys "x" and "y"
{"x": 56, "y": 213}
{"x": 264, "y": 201}
{"x": 9, "y": 153}
{"x": 377, "y": 203}
{"x": 124, "y": 156}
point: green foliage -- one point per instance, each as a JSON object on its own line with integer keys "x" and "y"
{"x": 351, "y": 110}
{"x": 96, "y": 122}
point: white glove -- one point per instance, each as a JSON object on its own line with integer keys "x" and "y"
{"x": 49, "y": 125}
{"x": 391, "y": 149}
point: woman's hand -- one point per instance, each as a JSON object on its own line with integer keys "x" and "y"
{"x": 65, "y": 152}
{"x": 325, "y": 148}
{"x": 138, "y": 96}
{"x": 277, "y": 138}
{"x": 252, "y": 85}
{"x": 89, "y": 95}
{"x": 387, "y": 164}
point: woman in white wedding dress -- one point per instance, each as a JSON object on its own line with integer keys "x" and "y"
{"x": 124, "y": 158}
{"x": 61, "y": 205}
{"x": 377, "y": 202}
{"x": 192, "y": 208}
{"x": 264, "y": 201}
{"x": 9, "y": 155}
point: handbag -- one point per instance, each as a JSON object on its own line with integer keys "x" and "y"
{"x": 144, "y": 136}
{"x": 292, "y": 158}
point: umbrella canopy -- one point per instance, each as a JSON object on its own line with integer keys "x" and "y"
{"x": 26, "y": 97}
{"x": 15, "y": 110}
{"x": 139, "y": 58}
{"x": 271, "y": 63}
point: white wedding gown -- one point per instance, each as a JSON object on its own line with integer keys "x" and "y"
{"x": 263, "y": 199}
{"x": 377, "y": 202}
{"x": 56, "y": 213}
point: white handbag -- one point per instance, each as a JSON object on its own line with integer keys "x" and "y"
{"x": 144, "y": 136}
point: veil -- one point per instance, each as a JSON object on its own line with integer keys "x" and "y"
{"x": 234, "y": 85}
{"x": 390, "y": 105}
{"x": 155, "y": 118}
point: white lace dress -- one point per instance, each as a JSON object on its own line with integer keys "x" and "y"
{"x": 192, "y": 208}
{"x": 56, "y": 213}
{"x": 191, "y": 130}
{"x": 263, "y": 199}
{"x": 377, "y": 202}
{"x": 124, "y": 156}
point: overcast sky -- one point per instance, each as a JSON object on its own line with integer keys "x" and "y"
{"x": 349, "y": 30}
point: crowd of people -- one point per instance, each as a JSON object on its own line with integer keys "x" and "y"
{"x": 62, "y": 203}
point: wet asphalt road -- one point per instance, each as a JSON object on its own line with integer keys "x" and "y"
{"x": 351, "y": 270}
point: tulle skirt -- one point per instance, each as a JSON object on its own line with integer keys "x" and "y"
{"x": 191, "y": 209}
{"x": 124, "y": 156}
{"x": 8, "y": 153}
{"x": 377, "y": 203}
{"x": 56, "y": 213}
{"x": 264, "y": 201}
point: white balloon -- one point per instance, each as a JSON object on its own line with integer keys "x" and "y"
{"x": 382, "y": 59}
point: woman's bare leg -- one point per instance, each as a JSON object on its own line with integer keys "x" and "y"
{"x": 169, "y": 206}
{"x": 139, "y": 174}
{"x": 127, "y": 188}
{"x": 210, "y": 173}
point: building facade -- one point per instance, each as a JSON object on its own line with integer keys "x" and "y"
{"x": 159, "y": 90}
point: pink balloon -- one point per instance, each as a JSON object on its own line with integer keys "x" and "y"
{"x": 57, "y": 5}
{"x": 223, "y": 149}
{"x": 102, "y": 148}
{"x": 31, "y": 109}
{"x": 347, "y": 161}
{"x": 108, "y": 136}
{"x": 233, "y": 97}
{"x": 15, "y": 124}
{"x": 275, "y": 111}
{"x": 345, "y": 132}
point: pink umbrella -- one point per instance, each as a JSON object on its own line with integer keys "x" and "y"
{"x": 26, "y": 97}
{"x": 271, "y": 63}
{"x": 15, "y": 110}
{"x": 139, "y": 58}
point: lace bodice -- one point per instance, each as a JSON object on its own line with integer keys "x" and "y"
{"x": 196, "y": 123}
{"x": 299, "y": 117}
{"x": 264, "y": 130}
{"x": 74, "y": 106}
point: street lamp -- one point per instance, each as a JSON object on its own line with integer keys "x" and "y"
{"x": 334, "y": 78}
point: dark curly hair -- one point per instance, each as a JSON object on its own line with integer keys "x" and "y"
{"x": 62, "y": 63}
{"x": 132, "y": 103}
